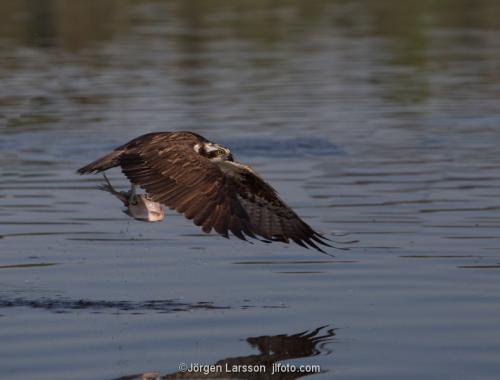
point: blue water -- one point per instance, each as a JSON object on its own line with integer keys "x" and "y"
{"x": 377, "y": 122}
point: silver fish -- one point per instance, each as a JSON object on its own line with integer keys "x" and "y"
{"x": 138, "y": 206}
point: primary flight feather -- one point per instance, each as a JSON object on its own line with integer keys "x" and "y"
{"x": 201, "y": 180}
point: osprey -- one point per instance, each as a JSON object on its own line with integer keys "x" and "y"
{"x": 200, "y": 179}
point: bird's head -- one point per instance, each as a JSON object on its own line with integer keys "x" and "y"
{"x": 214, "y": 152}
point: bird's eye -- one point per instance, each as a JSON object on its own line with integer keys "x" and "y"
{"x": 221, "y": 152}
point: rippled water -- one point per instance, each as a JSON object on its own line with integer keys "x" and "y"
{"x": 377, "y": 121}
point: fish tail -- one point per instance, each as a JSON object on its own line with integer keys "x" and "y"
{"x": 107, "y": 187}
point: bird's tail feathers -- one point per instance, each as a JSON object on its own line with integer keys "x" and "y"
{"x": 104, "y": 163}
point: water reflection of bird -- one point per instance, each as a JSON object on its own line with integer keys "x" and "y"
{"x": 272, "y": 349}
{"x": 200, "y": 179}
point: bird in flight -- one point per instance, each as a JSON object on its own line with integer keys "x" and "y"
{"x": 200, "y": 179}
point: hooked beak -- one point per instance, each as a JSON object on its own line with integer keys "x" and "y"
{"x": 230, "y": 157}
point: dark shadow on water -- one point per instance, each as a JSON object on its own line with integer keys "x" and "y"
{"x": 272, "y": 350}
{"x": 62, "y": 305}
{"x": 32, "y": 265}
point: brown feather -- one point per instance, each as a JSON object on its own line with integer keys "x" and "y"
{"x": 225, "y": 196}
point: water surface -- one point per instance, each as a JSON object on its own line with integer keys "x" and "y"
{"x": 378, "y": 122}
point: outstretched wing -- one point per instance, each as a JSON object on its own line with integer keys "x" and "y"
{"x": 269, "y": 216}
{"x": 173, "y": 174}
{"x": 223, "y": 196}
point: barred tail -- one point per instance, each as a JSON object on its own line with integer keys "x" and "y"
{"x": 107, "y": 162}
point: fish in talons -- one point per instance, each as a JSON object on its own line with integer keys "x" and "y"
{"x": 138, "y": 206}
